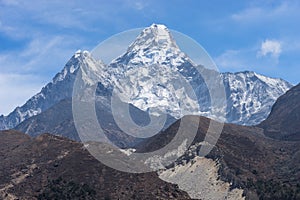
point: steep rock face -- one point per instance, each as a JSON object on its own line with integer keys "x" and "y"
{"x": 284, "y": 119}
{"x": 152, "y": 74}
{"x": 250, "y": 96}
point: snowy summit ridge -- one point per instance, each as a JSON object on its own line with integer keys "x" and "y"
{"x": 156, "y": 36}
{"x": 154, "y": 45}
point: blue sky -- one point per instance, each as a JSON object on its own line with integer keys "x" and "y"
{"x": 38, "y": 37}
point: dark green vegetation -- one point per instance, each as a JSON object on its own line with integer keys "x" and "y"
{"x": 62, "y": 189}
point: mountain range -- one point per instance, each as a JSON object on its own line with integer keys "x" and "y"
{"x": 246, "y": 163}
{"x": 257, "y": 161}
{"x": 263, "y": 161}
{"x": 147, "y": 73}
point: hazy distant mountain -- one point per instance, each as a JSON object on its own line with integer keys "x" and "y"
{"x": 148, "y": 73}
{"x": 245, "y": 164}
{"x": 58, "y": 120}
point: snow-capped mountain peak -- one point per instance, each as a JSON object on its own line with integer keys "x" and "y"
{"x": 72, "y": 65}
{"x": 150, "y": 74}
{"x": 78, "y": 60}
{"x": 154, "y": 45}
{"x": 79, "y": 53}
{"x": 156, "y": 36}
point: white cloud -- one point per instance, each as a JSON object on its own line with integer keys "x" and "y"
{"x": 5, "y": 29}
{"x": 248, "y": 14}
{"x": 9, "y": 2}
{"x": 270, "y": 47}
{"x": 37, "y": 56}
{"x": 69, "y": 14}
{"x": 262, "y": 13}
{"x": 235, "y": 60}
{"x": 140, "y": 5}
